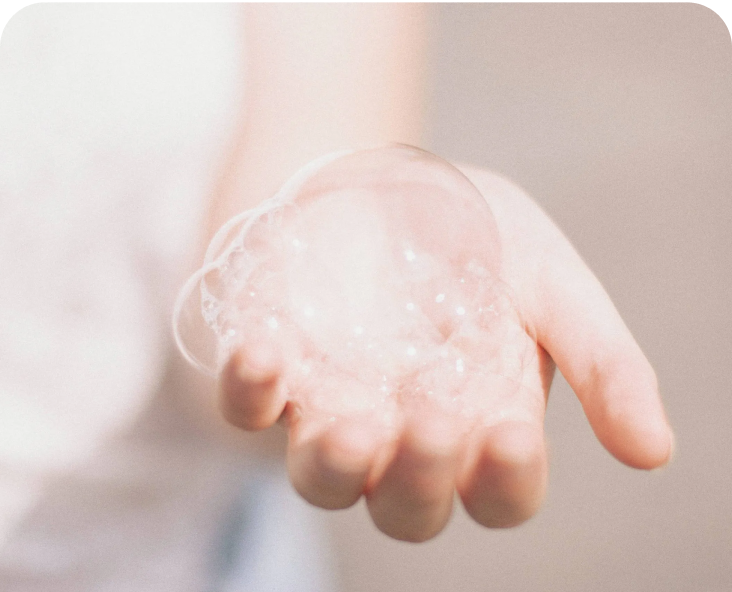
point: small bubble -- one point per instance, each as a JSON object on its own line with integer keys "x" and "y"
{"x": 440, "y": 298}
{"x": 409, "y": 255}
{"x": 358, "y": 330}
{"x": 272, "y": 323}
{"x": 410, "y": 306}
{"x": 411, "y": 351}
{"x": 459, "y": 365}
{"x": 460, "y": 310}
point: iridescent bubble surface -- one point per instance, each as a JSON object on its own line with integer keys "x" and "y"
{"x": 377, "y": 275}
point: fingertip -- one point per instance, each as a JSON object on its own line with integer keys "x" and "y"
{"x": 503, "y": 481}
{"x": 638, "y": 437}
{"x": 627, "y": 415}
{"x": 329, "y": 469}
{"x": 250, "y": 393}
{"x": 413, "y": 499}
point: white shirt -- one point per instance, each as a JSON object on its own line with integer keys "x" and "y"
{"x": 112, "y": 121}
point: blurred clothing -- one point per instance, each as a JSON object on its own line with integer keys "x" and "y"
{"x": 112, "y": 121}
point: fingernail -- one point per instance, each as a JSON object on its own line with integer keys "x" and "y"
{"x": 672, "y": 447}
{"x": 671, "y": 453}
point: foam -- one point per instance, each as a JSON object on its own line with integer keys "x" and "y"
{"x": 377, "y": 273}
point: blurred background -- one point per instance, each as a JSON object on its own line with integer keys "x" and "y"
{"x": 617, "y": 119}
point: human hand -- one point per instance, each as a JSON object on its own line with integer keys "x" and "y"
{"x": 409, "y": 458}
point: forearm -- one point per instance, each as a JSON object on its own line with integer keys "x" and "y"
{"x": 319, "y": 78}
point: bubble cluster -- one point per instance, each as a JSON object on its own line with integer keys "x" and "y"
{"x": 376, "y": 273}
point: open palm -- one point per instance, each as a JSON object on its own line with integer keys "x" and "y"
{"x": 375, "y": 418}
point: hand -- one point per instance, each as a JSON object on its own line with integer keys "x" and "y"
{"x": 409, "y": 466}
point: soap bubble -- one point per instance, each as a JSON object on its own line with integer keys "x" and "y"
{"x": 377, "y": 273}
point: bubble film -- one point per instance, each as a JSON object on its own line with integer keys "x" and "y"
{"x": 377, "y": 275}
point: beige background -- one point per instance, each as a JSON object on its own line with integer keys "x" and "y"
{"x": 618, "y": 120}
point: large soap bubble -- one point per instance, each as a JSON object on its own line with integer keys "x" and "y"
{"x": 377, "y": 274}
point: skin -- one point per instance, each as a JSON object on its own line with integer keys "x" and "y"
{"x": 294, "y": 113}
{"x": 499, "y": 470}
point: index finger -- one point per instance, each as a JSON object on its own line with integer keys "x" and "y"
{"x": 573, "y": 318}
